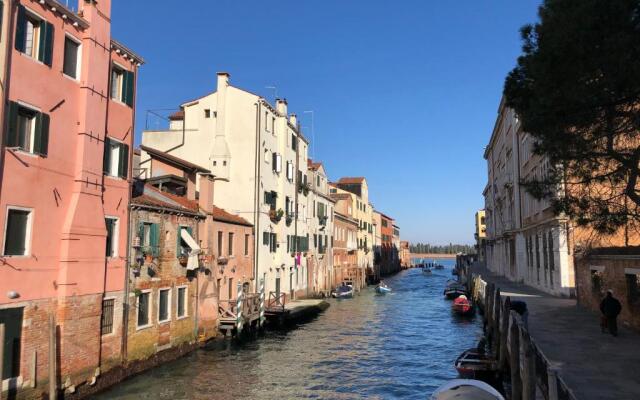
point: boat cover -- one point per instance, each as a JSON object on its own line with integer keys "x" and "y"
{"x": 466, "y": 389}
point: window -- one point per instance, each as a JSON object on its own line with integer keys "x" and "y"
{"x": 163, "y": 305}
{"x": 34, "y": 37}
{"x": 270, "y": 198}
{"x": 318, "y": 180}
{"x": 112, "y": 236}
{"x": 266, "y": 121}
{"x": 219, "y": 243}
{"x": 230, "y": 244}
{"x": 71, "y": 57}
{"x": 273, "y": 243}
{"x": 289, "y": 171}
{"x": 596, "y": 281}
{"x": 149, "y": 235}
{"x": 106, "y": 322}
{"x": 122, "y": 85}
{"x": 273, "y": 125}
{"x": 246, "y": 244}
{"x": 266, "y": 238}
{"x": 181, "y": 311}
{"x": 17, "y": 232}
{"x": 115, "y": 158}
{"x": 294, "y": 142}
{"x": 143, "y": 309}
{"x": 207, "y": 113}
{"x": 276, "y": 162}
{"x": 183, "y": 249}
{"x": 27, "y": 129}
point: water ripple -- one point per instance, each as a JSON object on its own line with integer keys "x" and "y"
{"x": 398, "y": 346}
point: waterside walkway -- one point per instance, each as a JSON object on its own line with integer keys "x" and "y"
{"x": 594, "y": 365}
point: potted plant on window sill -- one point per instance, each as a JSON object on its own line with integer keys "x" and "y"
{"x": 276, "y": 216}
{"x": 135, "y": 268}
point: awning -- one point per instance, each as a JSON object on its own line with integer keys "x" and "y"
{"x": 192, "y": 262}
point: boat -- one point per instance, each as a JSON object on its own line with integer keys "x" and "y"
{"x": 454, "y": 289}
{"x": 426, "y": 271}
{"x": 462, "y": 305}
{"x": 466, "y": 389}
{"x": 473, "y": 364}
{"x": 343, "y": 291}
{"x": 383, "y": 289}
{"x": 439, "y": 266}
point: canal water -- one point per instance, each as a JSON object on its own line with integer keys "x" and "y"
{"x": 397, "y": 346}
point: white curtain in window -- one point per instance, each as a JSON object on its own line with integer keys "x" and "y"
{"x": 192, "y": 262}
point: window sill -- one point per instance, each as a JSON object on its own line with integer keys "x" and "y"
{"x": 143, "y": 327}
{"x": 71, "y": 78}
{"x": 32, "y": 59}
{"x": 120, "y": 102}
{"x": 164, "y": 322}
{"x": 181, "y": 318}
{"x": 25, "y": 256}
{"x": 18, "y": 150}
{"x": 117, "y": 178}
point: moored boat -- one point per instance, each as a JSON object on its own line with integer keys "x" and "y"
{"x": 439, "y": 266}
{"x": 462, "y": 305}
{"x": 426, "y": 271}
{"x": 466, "y": 389}
{"x": 473, "y": 364}
{"x": 343, "y": 291}
{"x": 454, "y": 289}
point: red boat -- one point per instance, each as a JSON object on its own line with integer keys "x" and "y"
{"x": 462, "y": 305}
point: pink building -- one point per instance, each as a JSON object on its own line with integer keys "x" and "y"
{"x": 65, "y": 192}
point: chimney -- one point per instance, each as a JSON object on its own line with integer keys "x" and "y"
{"x": 293, "y": 120}
{"x": 281, "y": 106}
{"x": 220, "y": 154}
{"x": 205, "y": 201}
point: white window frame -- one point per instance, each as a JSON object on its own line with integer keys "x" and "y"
{"x": 111, "y": 159}
{"x": 164, "y": 321}
{"x": 30, "y": 14}
{"x": 150, "y": 316}
{"x": 278, "y": 163}
{"x": 290, "y": 171}
{"x": 78, "y": 57}
{"x": 186, "y": 304}
{"x": 116, "y": 234}
{"x": 27, "y": 239}
{"x": 123, "y": 70}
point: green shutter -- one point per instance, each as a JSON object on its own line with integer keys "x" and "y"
{"x": 123, "y": 162}
{"x": 41, "y": 139}
{"x": 155, "y": 240}
{"x": 11, "y": 137}
{"x": 21, "y": 32}
{"x": 128, "y": 87}
{"x": 45, "y": 53}
{"x": 178, "y": 240}
{"x": 106, "y": 157}
{"x": 265, "y": 238}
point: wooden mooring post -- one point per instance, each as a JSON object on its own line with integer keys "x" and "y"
{"x": 514, "y": 357}
{"x": 53, "y": 387}
{"x": 528, "y": 366}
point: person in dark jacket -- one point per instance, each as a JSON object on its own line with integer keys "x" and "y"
{"x": 610, "y": 308}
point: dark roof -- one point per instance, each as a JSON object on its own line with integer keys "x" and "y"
{"x": 174, "y": 160}
{"x": 150, "y": 196}
{"x": 385, "y": 215}
{"x": 219, "y": 214}
{"x": 348, "y": 180}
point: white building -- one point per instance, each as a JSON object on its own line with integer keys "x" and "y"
{"x": 526, "y": 242}
{"x": 258, "y": 156}
{"x": 320, "y": 224}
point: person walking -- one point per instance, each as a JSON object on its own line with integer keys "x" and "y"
{"x": 610, "y": 308}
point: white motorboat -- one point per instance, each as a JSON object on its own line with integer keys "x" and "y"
{"x": 466, "y": 389}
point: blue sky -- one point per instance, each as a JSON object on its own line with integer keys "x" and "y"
{"x": 404, "y": 93}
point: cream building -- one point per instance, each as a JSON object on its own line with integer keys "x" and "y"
{"x": 525, "y": 241}
{"x": 480, "y": 235}
{"x": 321, "y": 232}
{"x": 258, "y": 156}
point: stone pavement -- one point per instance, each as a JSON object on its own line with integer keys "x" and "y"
{"x": 594, "y": 365}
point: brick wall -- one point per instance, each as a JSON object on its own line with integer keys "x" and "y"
{"x": 595, "y": 274}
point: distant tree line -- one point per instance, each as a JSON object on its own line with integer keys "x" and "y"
{"x": 441, "y": 249}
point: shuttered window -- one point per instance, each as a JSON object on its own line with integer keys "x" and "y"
{"x": 273, "y": 243}
{"x": 149, "y": 235}
{"x": 17, "y": 232}
{"x": 183, "y": 248}
{"x": 27, "y": 129}
{"x": 34, "y": 36}
{"x": 122, "y": 85}
{"x": 116, "y": 158}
